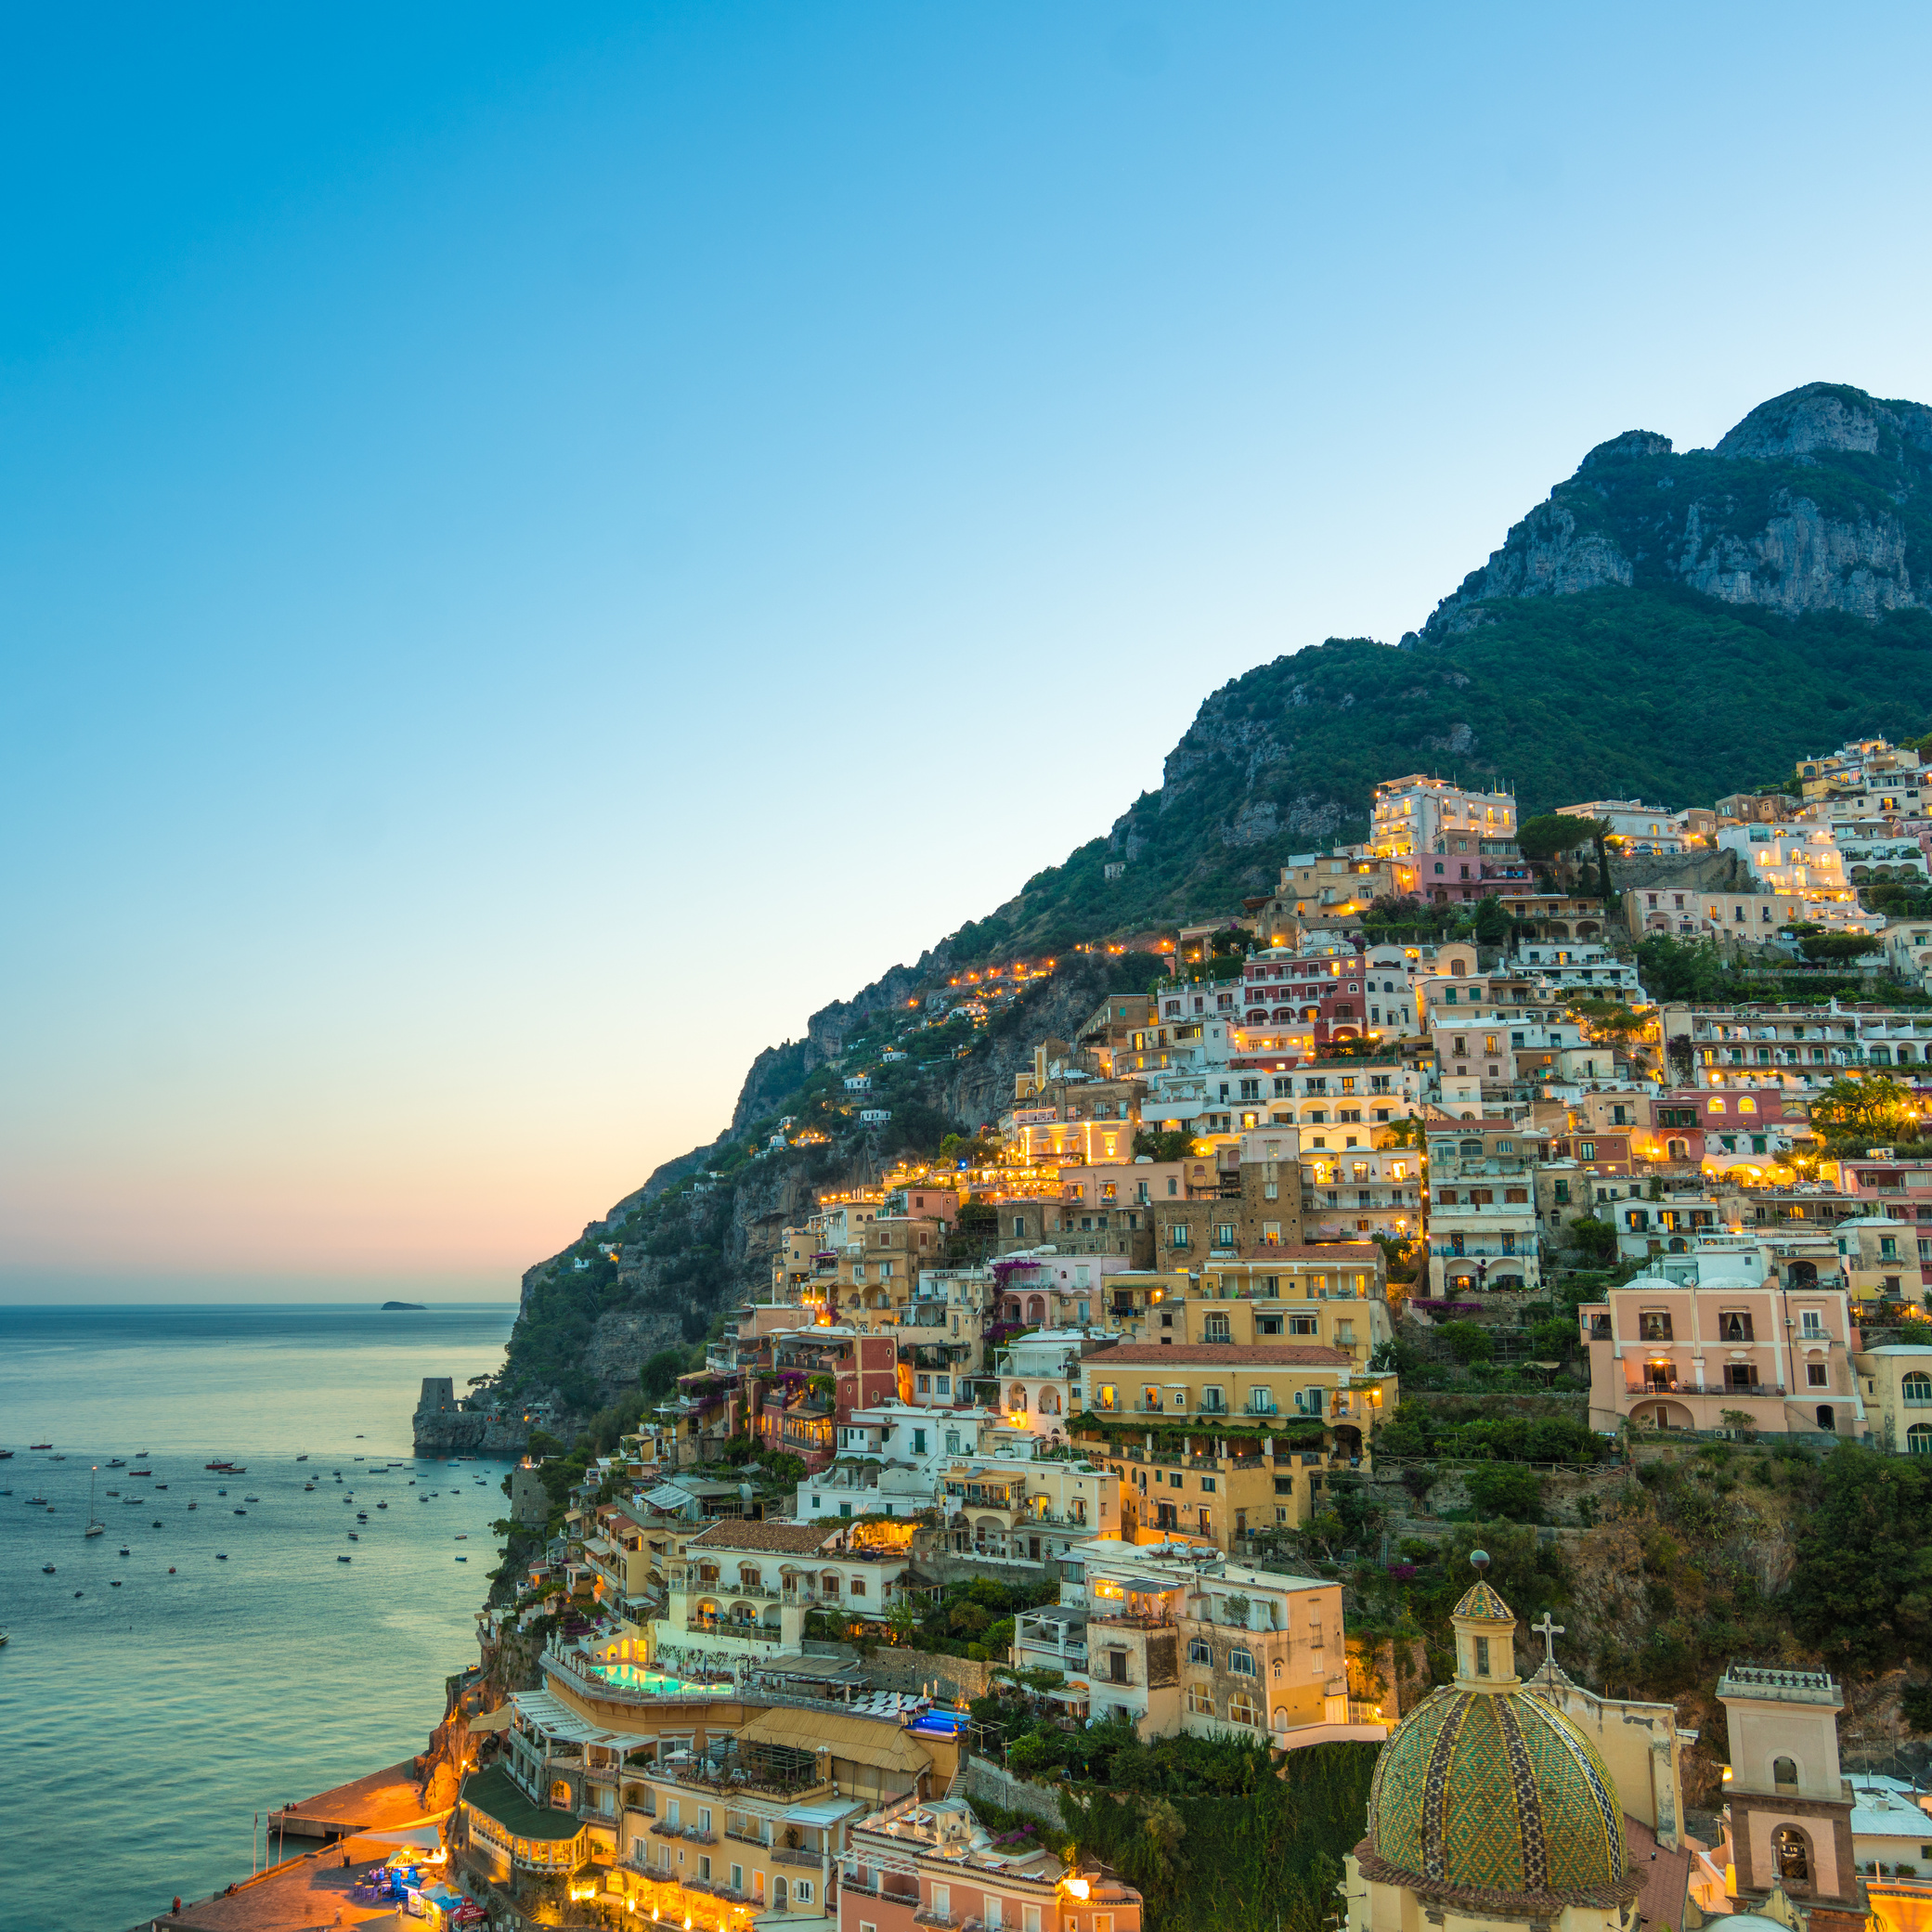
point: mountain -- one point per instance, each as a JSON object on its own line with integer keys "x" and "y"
{"x": 1662, "y": 626}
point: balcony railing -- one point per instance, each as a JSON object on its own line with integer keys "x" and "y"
{"x": 1681, "y": 1386}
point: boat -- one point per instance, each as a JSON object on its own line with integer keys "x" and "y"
{"x": 137, "y": 1471}
{"x": 345, "y": 1559}
{"x": 115, "y": 1493}
{"x": 219, "y": 1468}
{"x": 302, "y": 1459}
{"x": 118, "y": 1462}
{"x": 308, "y": 1489}
{"x": 113, "y": 1583}
{"x": 40, "y": 1446}
{"x": 46, "y": 1569}
{"x": 124, "y": 1550}
{"x": 221, "y": 1492}
{"x": 221, "y": 1556}
{"x": 382, "y": 1505}
{"x": 36, "y": 1501}
{"x": 5, "y": 1456}
{"x": 96, "y": 1527}
{"x": 241, "y": 1512}
{"x": 464, "y": 1538}
{"x": 194, "y": 1506}
{"x": 251, "y": 1498}
{"x": 159, "y": 1487}
{"x": 354, "y": 1538}
{"x": 463, "y": 1558}
{"x": 157, "y": 1522}
{"x": 139, "y": 1453}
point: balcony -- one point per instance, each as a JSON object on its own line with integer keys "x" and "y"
{"x": 1677, "y": 1386}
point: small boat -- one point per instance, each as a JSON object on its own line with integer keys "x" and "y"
{"x": 221, "y": 1556}
{"x": 361, "y": 1516}
{"x": 159, "y": 1487}
{"x": 124, "y": 1550}
{"x": 46, "y": 1569}
{"x": 241, "y": 1512}
{"x": 171, "y": 1569}
{"x": 114, "y": 1493}
{"x": 464, "y": 1538}
{"x": 354, "y": 1538}
{"x": 138, "y": 1471}
{"x": 194, "y": 1506}
{"x": 40, "y": 1446}
{"x": 157, "y": 1522}
{"x": 118, "y": 1462}
{"x": 113, "y": 1583}
{"x": 96, "y": 1527}
{"x": 77, "y": 1593}
{"x": 345, "y": 1559}
{"x": 302, "y": 1459}
{"x": 382, "y": 1505}
{"x": 36, "y": 1501}
{"x": 5, "y": 1456}
{"x": 308, "y": 1489}
{"x": 251, "y": 1498}
{"x": 221, "y": 1492}
{"x": 139, "y": 1453}
{"x": 219, "y": 1468}
{"x": 60, "y": 1458}
{"x": 463, "y": 1558}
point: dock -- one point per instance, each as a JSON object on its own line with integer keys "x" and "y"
{"x": 342, "y": 1833}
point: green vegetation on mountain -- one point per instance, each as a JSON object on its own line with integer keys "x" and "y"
{"x": 1660, "y": 694}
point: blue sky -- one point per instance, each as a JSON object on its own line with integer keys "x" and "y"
{"x": 537, "y": 549}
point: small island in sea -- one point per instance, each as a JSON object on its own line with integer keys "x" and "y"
{"x": 416, "y": 1307}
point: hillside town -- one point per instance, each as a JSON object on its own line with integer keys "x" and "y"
{"x": 1110, "y": 1426}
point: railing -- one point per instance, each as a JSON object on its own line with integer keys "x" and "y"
{"x": 1676, "y": 1387}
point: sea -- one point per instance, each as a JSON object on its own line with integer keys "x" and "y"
{"x": 237, "y": 1666}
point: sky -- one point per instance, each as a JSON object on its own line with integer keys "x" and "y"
{"x": 539, "y": 547}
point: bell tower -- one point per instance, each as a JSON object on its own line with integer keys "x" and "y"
{"x": 1486, "y": 1635}
{"x": 1789, "y": 1807}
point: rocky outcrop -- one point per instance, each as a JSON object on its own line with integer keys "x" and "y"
{"x": 1816, "y": 501}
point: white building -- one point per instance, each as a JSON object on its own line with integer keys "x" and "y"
{"x": 1416, "y": 814}
{"x": 1641, "y": 827}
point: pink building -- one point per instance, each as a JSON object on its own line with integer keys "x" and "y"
{"x": 920, "y": 1863}
{"x": 1726, "y": 1337}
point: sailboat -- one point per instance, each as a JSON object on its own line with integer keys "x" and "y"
{"x": 96, "y": 1527}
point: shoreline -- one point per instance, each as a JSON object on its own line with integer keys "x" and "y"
{"x": 354, "y": 1825}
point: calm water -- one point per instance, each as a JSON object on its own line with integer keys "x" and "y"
{"x": 146, "y": 1724}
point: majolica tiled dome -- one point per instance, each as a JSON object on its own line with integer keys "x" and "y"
{"x": 1486, "y": 1790}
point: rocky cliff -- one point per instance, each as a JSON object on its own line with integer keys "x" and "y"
{"x": 1818, "y": 500}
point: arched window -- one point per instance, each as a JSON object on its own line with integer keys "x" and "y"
{"x": 1016, "y": 1398}
{"x": 1793, "y": 1857}
{"x": 1241, "y": 1710}
{"x": 1802, "y": 1274}
{"x": 750, "y": 1576}
{"x": 828, "y": 1584}
{"x": 1036, "y": 1307}
{"x": 1785, "y": 1773}
{"x": 1827, "y": 1418}
{"x": 1240, "y": 1662}
{"x": 1917, "y": 1389}
{"x": 1049, "y": 1402}
{"x": 1280, "y": 1717}
{"x": 1918, "y": 1439}
{"x": 560, "y": 1795}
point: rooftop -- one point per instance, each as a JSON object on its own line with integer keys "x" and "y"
{"x": 795, "y": 1538}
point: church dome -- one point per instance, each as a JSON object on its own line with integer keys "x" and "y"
{"x": 1486, "y": 1790}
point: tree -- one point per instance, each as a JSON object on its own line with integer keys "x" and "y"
{"x": 1493, "y": 924}
{"x": 1861, "y": 1587}
{"x": 1597, "y": 1240}
{"x": 1467, "y": 1341}
{"x": 1835, "y": 948}
{"x": 1551, "y": 833}
{"x": 1165, "y": 1143}
{"x": 1681, "y": 1055}
{"x": 1864, "y": 1109}
{"x": 1505, "y": 1491}
{"x": 1681, "y": 969}
{"x": 659, "y": 1375}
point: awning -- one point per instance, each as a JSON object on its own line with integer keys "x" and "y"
{"x": 869, "y": 1741}
{"x": 421, "y": 1837}
{"x": 671, "y": 1498}
{"x": 488, "y": 1723}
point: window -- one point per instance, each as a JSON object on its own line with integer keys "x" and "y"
{"x": 1241, "y": 1663}
{"x": 1028, "y": 1918}
{"x": 1200, "y": 1651}
{"x": 1200, "y": 1702}
{"x": 704, "y": 1867}
{"x": 1241, "y": 1710}
{"x": 737, "y": 1879}
{"x": 992, "y": 1914}
{"x": 1810, "y": 1322}
{"x": 801, "y": 1891}
{"x": 1816, "y": 1375}
{"x": 1177, "y": 1231}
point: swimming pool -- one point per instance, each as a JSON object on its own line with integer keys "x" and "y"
{"x": 653, "y": 1683}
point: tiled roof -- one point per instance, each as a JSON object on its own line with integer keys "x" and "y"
{"x": 795, "y": 1538}
{"x": 1201, "y": 1355}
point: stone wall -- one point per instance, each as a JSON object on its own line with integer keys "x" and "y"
{"x": 947, "y": 1679}
{"x": 988, "y": 1782}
